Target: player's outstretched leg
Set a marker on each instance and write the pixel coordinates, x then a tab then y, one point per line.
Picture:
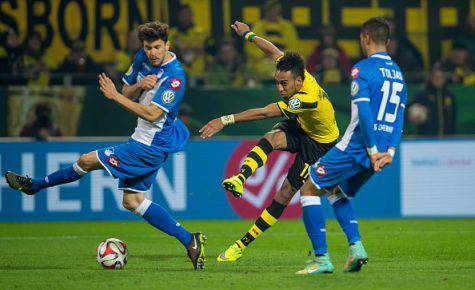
30	186
314	221
346	218
266	220
255	159
159	218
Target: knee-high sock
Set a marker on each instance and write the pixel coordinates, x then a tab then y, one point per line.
158	217
314	221
66	175
267	219
255	159
346	218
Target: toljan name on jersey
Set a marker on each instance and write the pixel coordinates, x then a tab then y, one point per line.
391	73
384	128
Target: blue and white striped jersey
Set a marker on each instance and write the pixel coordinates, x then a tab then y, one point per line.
378	99
168	133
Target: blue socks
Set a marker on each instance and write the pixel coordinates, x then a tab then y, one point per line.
158	217
346	218
66	175
314	221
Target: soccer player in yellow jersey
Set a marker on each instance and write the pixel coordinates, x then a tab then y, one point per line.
310	130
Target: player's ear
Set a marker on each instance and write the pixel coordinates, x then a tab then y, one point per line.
299	80
167	45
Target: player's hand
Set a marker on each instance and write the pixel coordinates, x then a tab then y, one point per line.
384	160
148	82
107	86
240	27
374	158
213	127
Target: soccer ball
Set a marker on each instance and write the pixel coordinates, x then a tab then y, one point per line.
112	254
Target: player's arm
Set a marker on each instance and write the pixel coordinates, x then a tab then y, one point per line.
216	125
360	96
132	88
395	139
242	29
150	113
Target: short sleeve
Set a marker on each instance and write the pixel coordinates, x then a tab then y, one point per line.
299	103
130	77
170	93
359	85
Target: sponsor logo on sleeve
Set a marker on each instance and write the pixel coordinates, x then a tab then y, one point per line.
354	88
295	104
355	72
175	84
168	96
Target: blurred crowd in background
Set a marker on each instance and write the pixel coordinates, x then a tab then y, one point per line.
211	62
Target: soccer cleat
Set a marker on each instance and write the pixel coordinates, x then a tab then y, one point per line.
234	185
319	265
356	259
196	250
19	182
233	253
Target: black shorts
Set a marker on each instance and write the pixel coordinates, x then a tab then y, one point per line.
308	151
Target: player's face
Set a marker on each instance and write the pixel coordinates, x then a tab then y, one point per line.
287	84
156	51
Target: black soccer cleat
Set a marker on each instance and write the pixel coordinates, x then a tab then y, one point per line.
19	182
196	250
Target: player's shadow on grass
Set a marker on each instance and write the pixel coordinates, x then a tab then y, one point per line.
161	257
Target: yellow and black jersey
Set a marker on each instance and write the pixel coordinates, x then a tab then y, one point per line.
312	110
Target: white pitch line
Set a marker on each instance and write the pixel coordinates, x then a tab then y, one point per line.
160	235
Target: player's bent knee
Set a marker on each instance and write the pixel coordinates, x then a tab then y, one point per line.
309	189
131	201
276	138
285	193
89	162
83	162
130	204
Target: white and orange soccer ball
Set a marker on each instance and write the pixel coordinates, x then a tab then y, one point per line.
112	254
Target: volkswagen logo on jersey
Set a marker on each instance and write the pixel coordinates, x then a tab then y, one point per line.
168	96
175	84
261	187
295	103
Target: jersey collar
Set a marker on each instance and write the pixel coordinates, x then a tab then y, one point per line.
382	54
170	61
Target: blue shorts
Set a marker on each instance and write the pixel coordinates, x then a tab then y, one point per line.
338	168
133	163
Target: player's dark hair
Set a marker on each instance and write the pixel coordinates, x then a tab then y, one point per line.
152	31
378	29
293	62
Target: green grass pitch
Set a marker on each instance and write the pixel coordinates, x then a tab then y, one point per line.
403	254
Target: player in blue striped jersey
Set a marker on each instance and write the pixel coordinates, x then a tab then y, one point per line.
154	89
378	98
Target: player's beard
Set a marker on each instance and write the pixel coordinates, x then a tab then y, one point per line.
157	61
